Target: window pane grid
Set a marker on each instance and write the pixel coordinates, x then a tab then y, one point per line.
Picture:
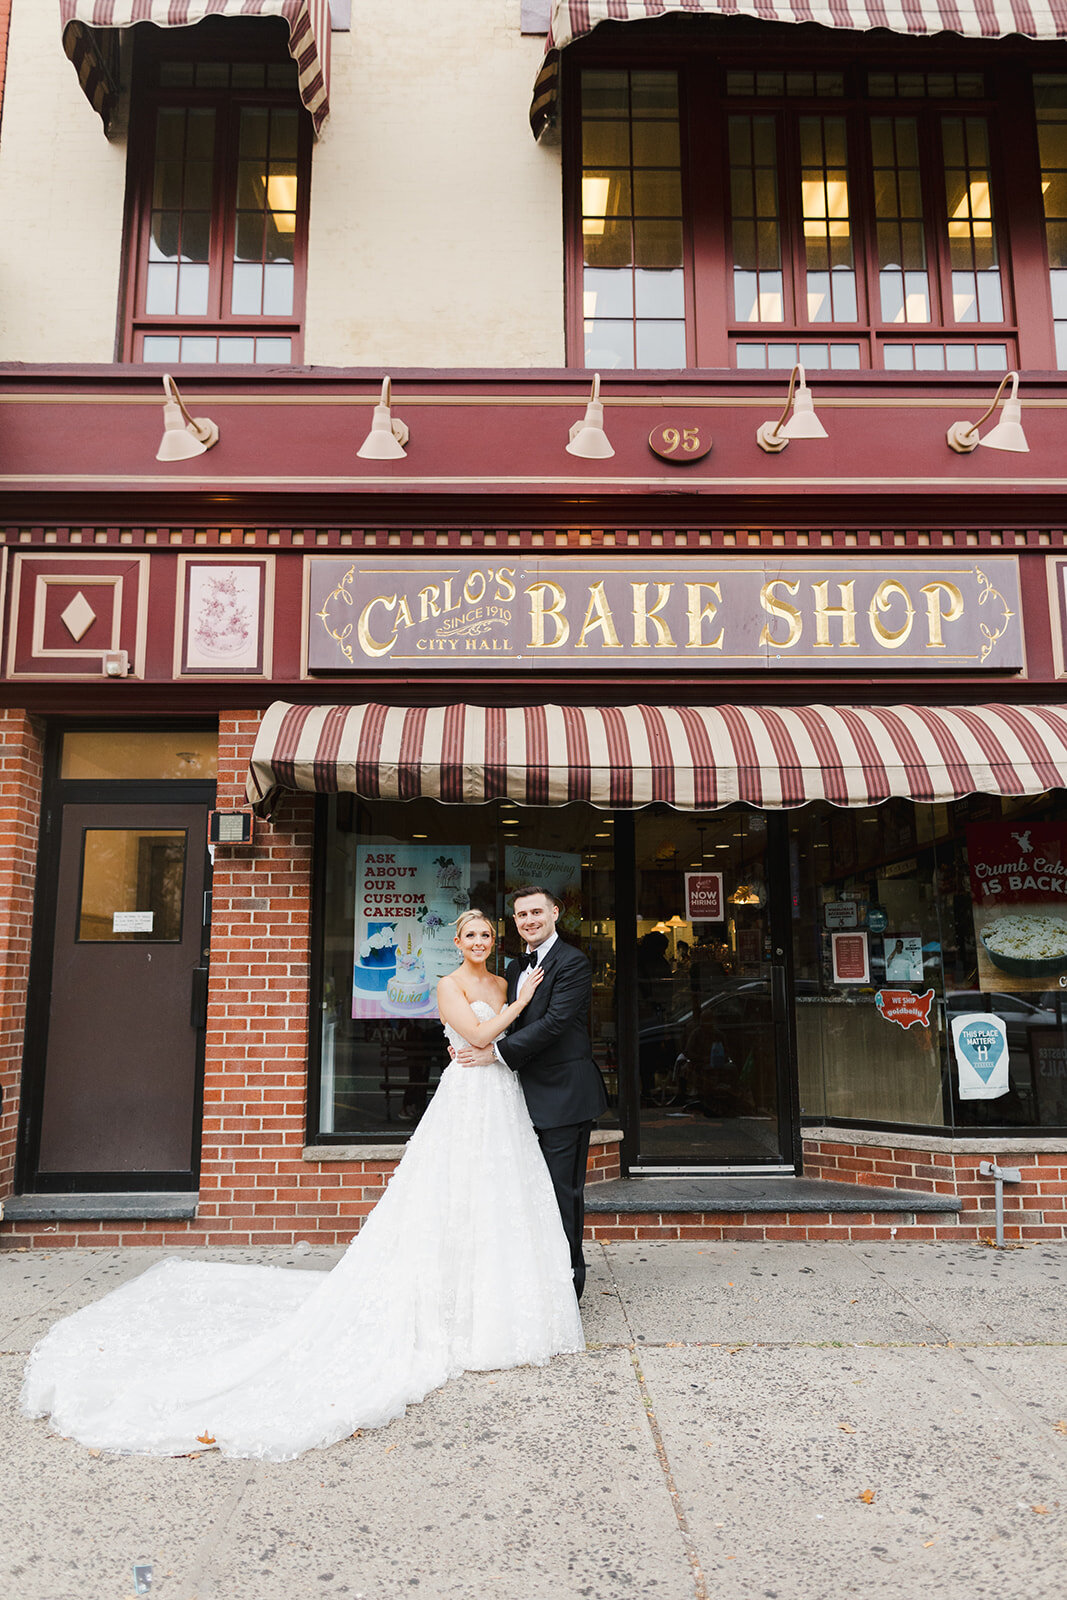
177	280
1050	93
833	219
633	280
976	292
830	276
223	228
755	220
903	281
262	274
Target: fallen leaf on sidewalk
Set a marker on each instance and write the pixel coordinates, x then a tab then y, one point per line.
928	1542
1040	1511
846	1427
867	1497
205	1437
95	1454
388	1448
1061	1425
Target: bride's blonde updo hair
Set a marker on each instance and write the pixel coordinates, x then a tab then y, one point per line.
472	915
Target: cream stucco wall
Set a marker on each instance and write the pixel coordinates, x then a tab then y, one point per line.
61	192
436	221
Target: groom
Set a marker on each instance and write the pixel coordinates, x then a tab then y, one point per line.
548	1046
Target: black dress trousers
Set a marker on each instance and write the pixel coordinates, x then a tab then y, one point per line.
565	1151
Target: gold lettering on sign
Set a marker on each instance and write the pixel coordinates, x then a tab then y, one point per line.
547	601
782	610
505	589
403	613
701	611
886	592
598	619
450	604
429	599
934	614
643	616
470	594
824	611
368	644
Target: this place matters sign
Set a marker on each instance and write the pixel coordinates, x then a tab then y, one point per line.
497	611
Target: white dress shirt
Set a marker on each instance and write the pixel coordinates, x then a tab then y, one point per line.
540	952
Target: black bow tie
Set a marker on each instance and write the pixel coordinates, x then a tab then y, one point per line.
528	960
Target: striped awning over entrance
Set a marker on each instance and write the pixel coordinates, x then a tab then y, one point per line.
693	757
90	39
974	19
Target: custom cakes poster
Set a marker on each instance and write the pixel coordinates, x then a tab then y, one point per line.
408	897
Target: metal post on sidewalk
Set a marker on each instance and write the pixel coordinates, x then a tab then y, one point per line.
1000	1176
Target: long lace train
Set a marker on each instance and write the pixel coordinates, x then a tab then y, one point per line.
462	1266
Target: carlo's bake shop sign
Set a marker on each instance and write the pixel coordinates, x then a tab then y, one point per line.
408	897
498	612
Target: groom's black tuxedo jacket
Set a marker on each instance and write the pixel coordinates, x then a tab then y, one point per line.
548	1044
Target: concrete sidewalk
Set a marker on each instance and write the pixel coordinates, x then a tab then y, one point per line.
750	1422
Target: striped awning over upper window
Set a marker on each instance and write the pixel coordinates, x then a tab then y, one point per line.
90	37
693	757
974	19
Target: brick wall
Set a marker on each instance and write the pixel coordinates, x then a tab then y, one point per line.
255	1185
20	812
1036	1208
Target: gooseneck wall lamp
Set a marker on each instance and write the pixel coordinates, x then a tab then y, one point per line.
803	424
183	436
587	437
1006	435
388	435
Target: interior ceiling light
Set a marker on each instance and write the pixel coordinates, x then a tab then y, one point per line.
803	424
1006	435
183	436
388	435
587	438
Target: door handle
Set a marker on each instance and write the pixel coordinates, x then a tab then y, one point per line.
198	998
779	993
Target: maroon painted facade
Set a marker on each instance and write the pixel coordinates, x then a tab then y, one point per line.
486	476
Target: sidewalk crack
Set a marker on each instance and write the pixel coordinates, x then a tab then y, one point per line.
700	1587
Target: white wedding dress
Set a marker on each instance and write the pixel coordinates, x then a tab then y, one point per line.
461	1266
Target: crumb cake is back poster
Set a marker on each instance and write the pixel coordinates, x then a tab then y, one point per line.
408	897
1019	896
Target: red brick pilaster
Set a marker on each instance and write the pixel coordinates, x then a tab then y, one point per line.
255	1071
20	813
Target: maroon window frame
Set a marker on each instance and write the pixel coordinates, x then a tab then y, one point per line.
712	330
248	46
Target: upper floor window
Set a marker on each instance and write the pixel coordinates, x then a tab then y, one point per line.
737	216
217	205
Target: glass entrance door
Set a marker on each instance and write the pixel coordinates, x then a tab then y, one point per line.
712	1016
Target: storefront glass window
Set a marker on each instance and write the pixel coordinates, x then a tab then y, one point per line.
139	755
396	878
930	945
132	885
706	1000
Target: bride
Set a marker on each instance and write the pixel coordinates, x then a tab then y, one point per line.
461	1266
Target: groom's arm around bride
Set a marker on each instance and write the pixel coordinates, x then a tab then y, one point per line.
548	1046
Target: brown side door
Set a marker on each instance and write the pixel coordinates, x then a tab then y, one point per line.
120	1096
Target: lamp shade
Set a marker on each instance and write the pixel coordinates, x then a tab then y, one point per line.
388	435
1008	433
587	438
183	436
803	424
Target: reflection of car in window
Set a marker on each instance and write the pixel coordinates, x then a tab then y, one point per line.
1018	1012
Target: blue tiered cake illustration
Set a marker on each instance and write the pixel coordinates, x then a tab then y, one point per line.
376	962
